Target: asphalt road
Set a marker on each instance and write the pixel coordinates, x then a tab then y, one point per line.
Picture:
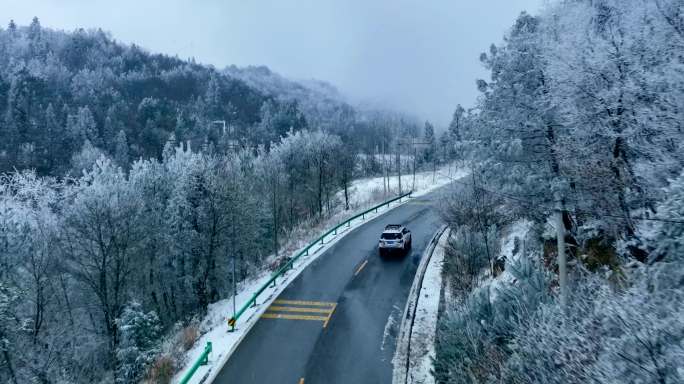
337	321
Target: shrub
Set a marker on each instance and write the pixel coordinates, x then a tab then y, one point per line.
474	341
161	371
606	336
189	336
140	340
465	259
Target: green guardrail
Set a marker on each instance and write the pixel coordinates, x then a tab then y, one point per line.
272	281
204	357
202	360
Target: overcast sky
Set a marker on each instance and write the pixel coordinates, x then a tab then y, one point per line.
419	56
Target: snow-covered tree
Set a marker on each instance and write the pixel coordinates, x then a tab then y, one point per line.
102	227
140	334
121	150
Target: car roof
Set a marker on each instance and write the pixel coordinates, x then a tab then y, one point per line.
393	228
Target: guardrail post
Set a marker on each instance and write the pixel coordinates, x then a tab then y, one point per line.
274	283
335	232
207	351
254	303
363	216
203	360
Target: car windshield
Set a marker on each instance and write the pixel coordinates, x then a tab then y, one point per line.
391	236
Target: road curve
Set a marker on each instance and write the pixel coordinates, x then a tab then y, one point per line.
337	321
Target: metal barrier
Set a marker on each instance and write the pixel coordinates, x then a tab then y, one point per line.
202	360
253	300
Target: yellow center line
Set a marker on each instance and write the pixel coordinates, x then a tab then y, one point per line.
277	308
293	317
325	323
301	302
358	270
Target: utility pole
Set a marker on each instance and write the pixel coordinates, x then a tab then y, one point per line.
234	256
232	147
384	170
562	262
434	167
413	185
413	144
399	164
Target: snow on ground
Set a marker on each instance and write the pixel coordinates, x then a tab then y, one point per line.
518	230
214	326
389	326
415	343
425	326
364	193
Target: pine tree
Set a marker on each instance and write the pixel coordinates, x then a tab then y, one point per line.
12	29
140	334
456	126
34	30
111	128
88	126
54	135
121	151
212	98
429	137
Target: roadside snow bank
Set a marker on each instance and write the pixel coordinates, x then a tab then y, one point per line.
422	350
416	342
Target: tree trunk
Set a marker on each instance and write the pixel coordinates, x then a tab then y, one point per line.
275	220
320	187
8	362
562	261
346	191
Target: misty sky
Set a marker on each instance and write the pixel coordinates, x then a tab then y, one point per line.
417	56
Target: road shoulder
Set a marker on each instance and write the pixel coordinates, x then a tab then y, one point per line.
416	342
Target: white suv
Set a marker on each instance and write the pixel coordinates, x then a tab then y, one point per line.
394	237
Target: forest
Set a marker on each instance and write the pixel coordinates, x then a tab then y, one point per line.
67	98
131	184
131	180
577	140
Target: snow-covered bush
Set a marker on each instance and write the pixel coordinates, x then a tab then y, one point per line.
466	256
667	238
604	336
475	338
140	334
